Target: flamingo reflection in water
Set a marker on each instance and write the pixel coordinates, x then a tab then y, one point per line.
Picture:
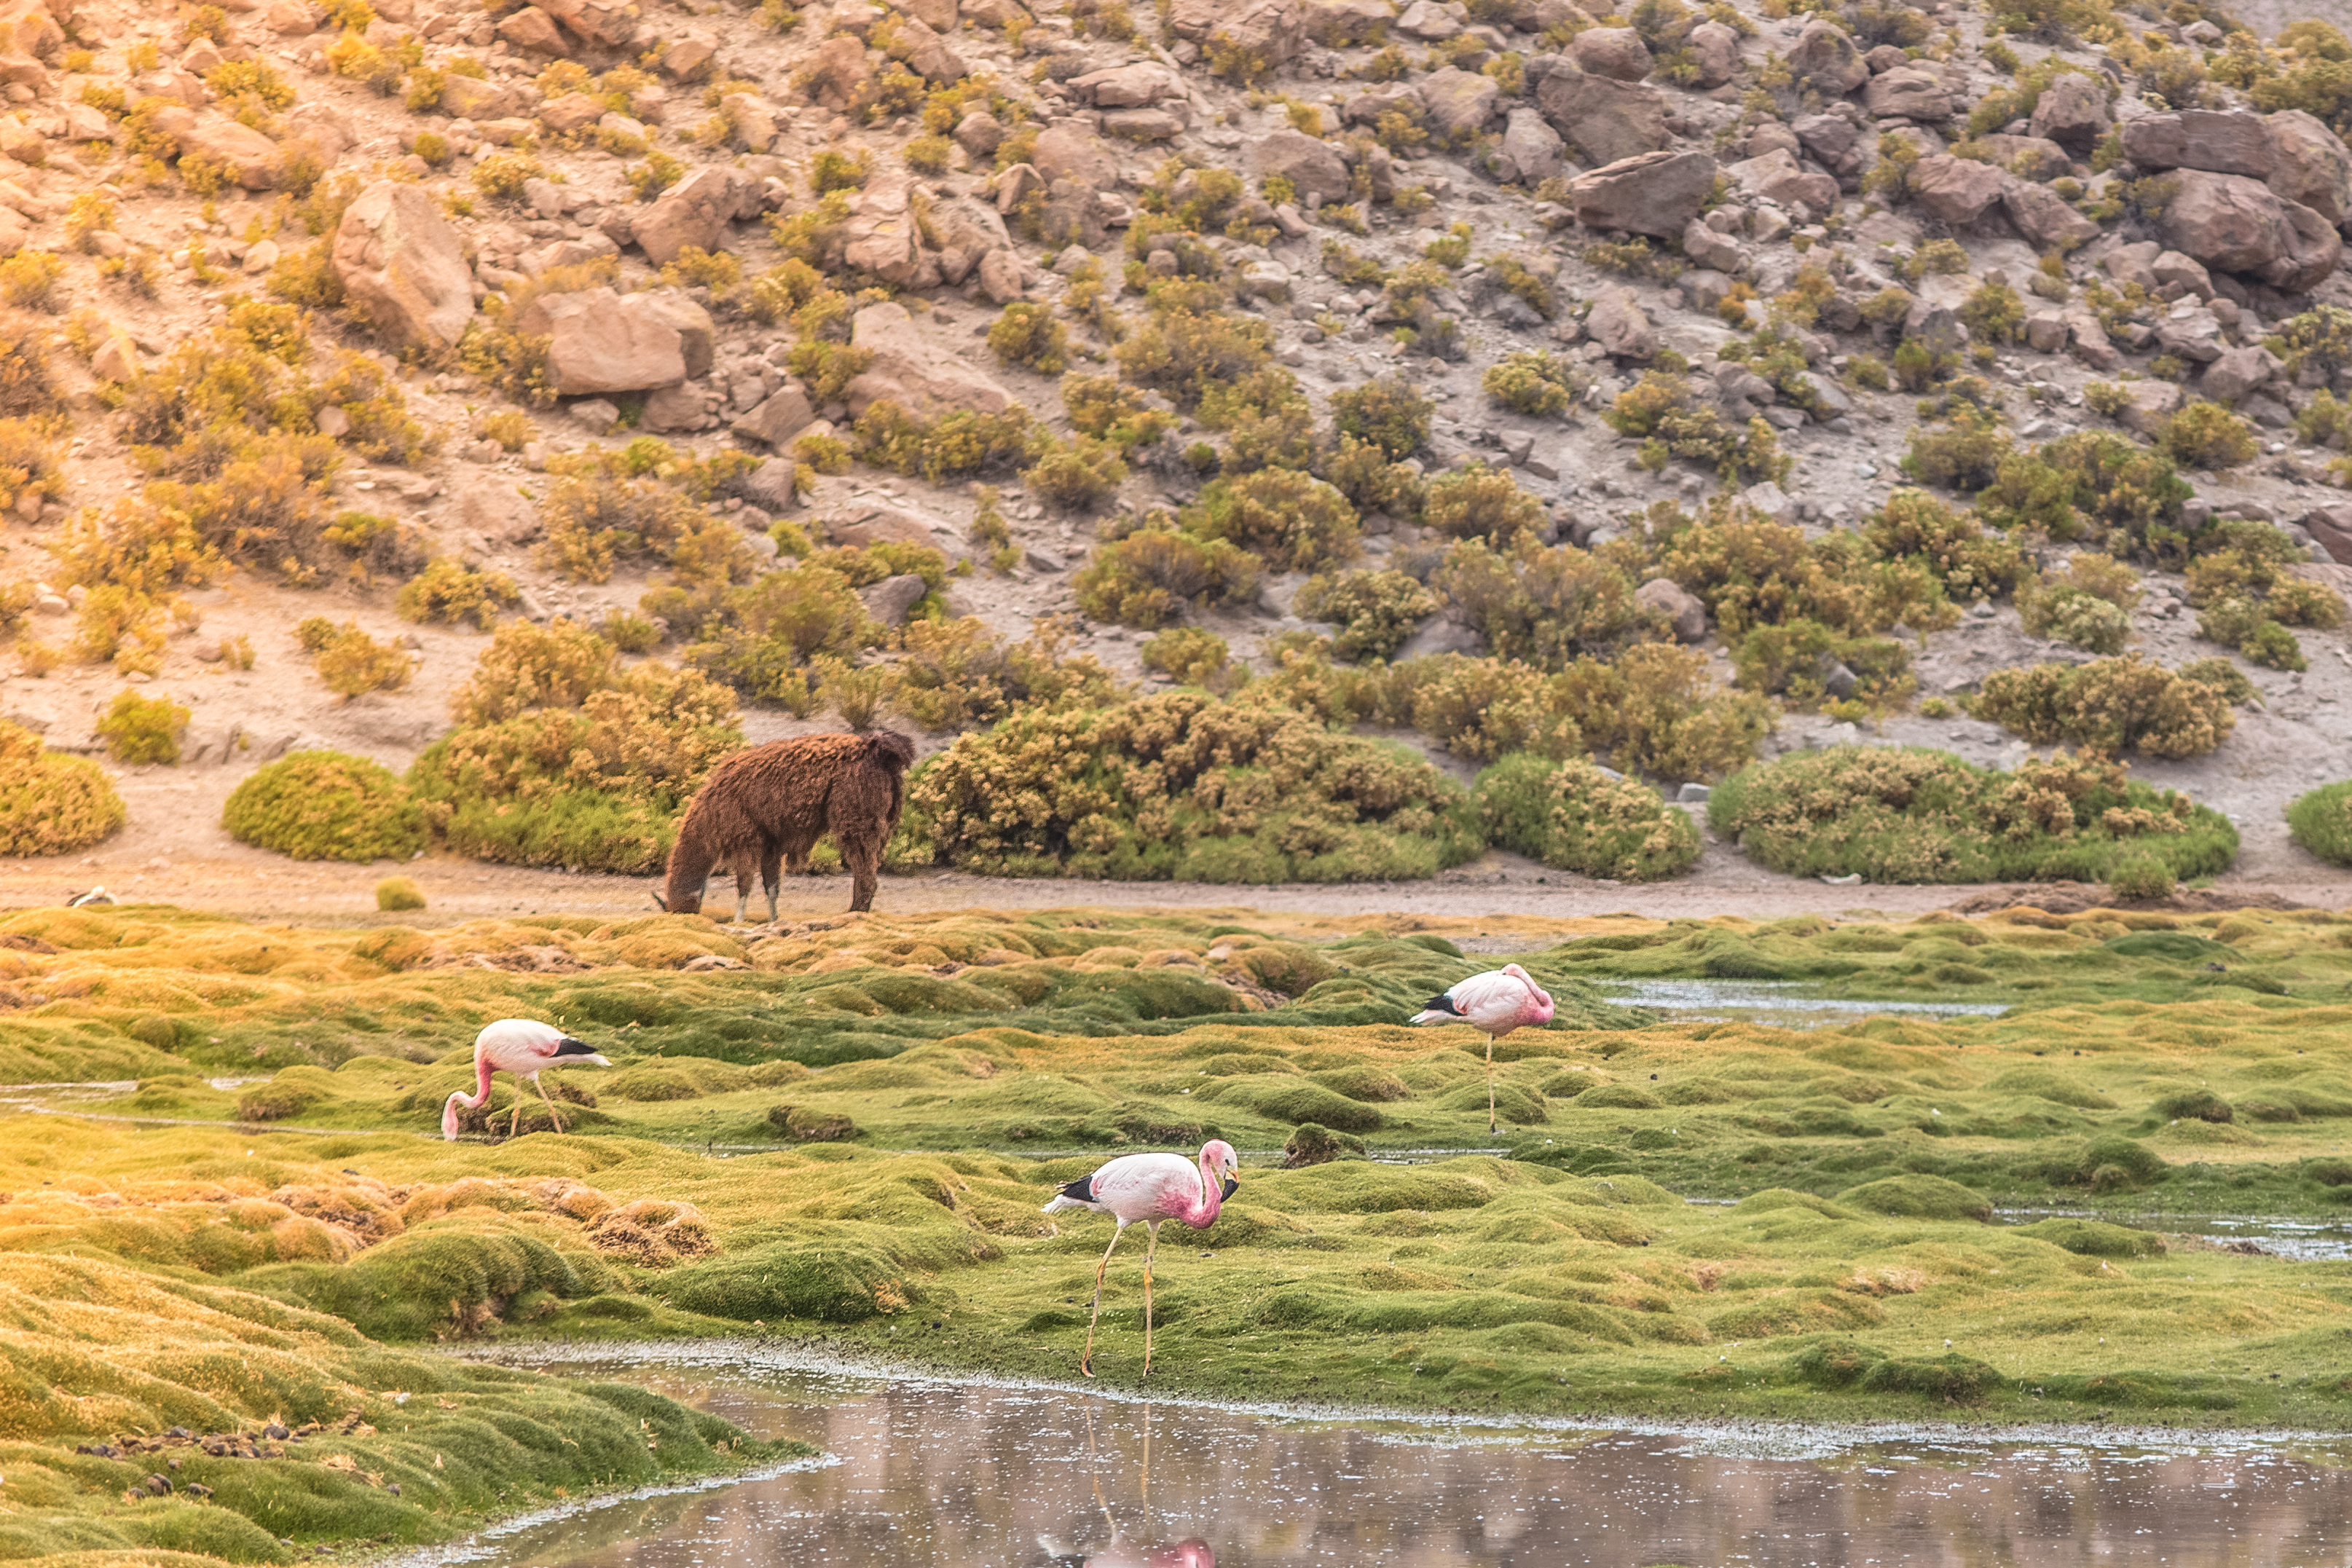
1118	1552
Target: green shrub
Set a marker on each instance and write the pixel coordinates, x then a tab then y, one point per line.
1080	475
2126	499
1376	611
1187	787
1191	657
1184	352
564	758
51	804
2088	605
954	444
2138	877
1387	413
1965	454
1542	605
1109	409
1028	336
1530	381
395	893
2321	821
1673	422
142	730
1904	814
761	638
325	805
2207	436
1573	817
352	663
1971	563
453	591
1480	502
1293	521
1153	575
2112	704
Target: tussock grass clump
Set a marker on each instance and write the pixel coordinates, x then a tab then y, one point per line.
1911	815
395	893
1377	612
1572	815
562	758
1187	787
325	805
2321	821
51	803
142	730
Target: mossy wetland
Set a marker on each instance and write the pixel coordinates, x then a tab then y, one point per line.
840	1132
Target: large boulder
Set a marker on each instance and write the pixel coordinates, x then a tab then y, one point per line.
2313	167
1272	31
600	341
2228	222
2073	112
1676	605
1605	120
2231	142
1714	50
1459	102
1619	324
1824	58
1779	175
693	212
2331	527
2313	252
1956	191
1073	152
403	267
778	418
2044	218
1312	165
602	24
471	98
920	377
250	158
836	70
1615	52
1909	93
1532	148
1654	193
2234	372
1136	86
1835	142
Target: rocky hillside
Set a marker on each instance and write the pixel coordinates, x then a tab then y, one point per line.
1803	364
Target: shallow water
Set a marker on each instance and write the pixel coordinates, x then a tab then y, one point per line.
1780	1002
923	1472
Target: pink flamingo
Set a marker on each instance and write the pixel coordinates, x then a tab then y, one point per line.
1149	1190
522	1046
1497	1001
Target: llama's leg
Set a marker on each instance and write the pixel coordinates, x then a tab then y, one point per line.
864	860
552	1114
771	859
1085	1362
1153	1229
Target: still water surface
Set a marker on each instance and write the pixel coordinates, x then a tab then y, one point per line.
922	1472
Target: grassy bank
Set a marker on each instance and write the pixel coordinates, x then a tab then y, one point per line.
899	1094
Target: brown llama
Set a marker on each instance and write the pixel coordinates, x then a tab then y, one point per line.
768	805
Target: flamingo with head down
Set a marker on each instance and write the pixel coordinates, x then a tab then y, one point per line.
1149	1190
1496	1002
523	1047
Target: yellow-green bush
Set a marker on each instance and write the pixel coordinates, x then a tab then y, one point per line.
326	805
395	893
1153	576
1481	502
1387	412
2111	705
1193	657
1530	381
1293	521
51	804
564	758
1543	605
352	663
1187	787
1028	336
454	590
2089	604
1572	816
142	730
1376	611
1904	814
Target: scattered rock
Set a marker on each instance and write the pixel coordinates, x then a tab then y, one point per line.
2230	142
1681	609
1312	165
1616	52
1956	191
403	267
1619	325
1606	119
2073	112
2313	167
913	373
599	341
1655	193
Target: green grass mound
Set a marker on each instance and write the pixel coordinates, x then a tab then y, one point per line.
1573	817
2095	1238
1186	788
1919	1198
2321	821
326	805
51	804
1905	814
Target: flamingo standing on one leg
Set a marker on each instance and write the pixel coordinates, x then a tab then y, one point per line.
1497	1001
522	1046
1151	1190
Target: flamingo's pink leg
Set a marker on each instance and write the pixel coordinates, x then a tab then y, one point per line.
1085	1362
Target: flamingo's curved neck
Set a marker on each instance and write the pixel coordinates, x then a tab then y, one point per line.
481	1082
1212	1199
